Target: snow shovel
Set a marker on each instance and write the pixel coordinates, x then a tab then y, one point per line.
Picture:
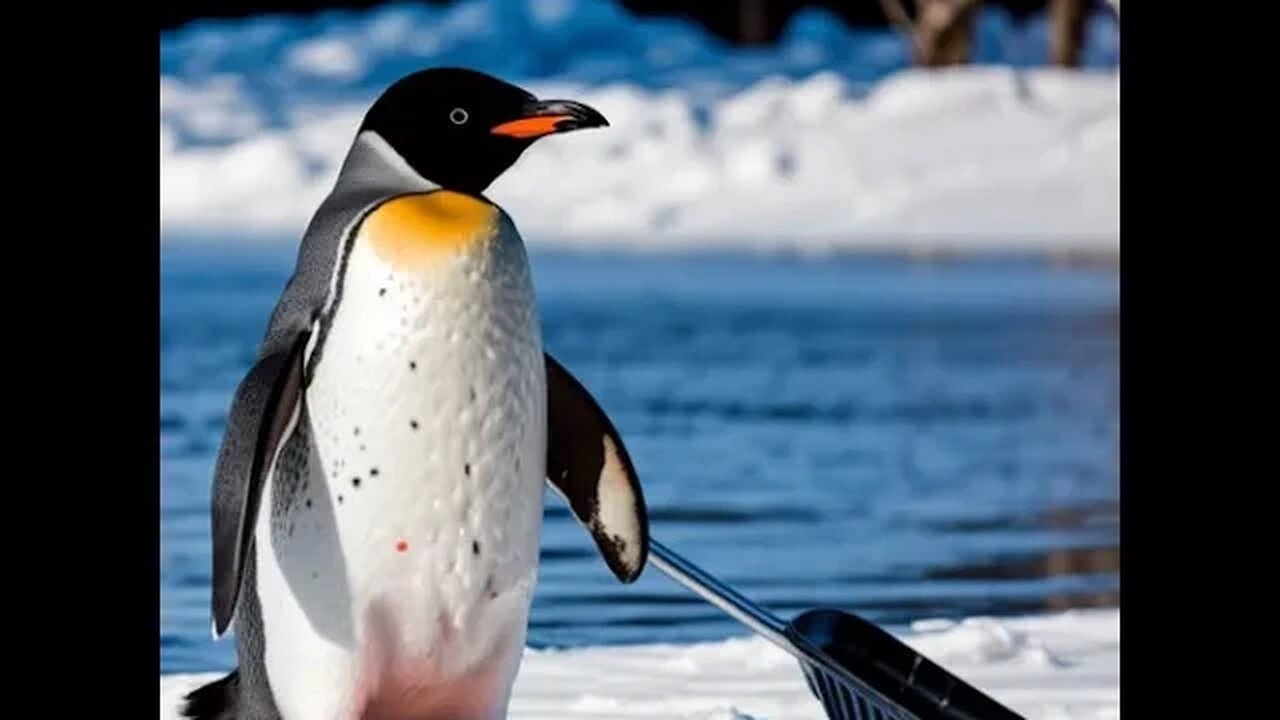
855	669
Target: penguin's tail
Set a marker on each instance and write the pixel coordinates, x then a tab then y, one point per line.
214	701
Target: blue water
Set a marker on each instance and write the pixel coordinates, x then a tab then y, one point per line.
897	439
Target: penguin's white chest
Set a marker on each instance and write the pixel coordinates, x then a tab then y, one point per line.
399	556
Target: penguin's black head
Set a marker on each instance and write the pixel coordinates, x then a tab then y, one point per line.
461	129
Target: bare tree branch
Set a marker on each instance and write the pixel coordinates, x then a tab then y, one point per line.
898	17
897	14
943	29
954	10
937	19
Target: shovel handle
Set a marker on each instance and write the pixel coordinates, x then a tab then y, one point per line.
720	595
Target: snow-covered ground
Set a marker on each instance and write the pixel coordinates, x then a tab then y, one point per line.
824	141
1058	666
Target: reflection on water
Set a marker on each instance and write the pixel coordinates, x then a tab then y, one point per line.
896	440
1064	562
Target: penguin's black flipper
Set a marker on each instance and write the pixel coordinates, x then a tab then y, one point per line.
214	701
589	466
262	413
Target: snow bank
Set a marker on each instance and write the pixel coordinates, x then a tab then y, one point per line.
1055	666
954	159
825	140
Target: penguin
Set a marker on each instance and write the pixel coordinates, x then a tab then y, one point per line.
377	497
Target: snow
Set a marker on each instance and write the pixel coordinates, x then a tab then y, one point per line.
1059	666
828	140
327	59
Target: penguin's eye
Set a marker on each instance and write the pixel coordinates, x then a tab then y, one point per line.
458	116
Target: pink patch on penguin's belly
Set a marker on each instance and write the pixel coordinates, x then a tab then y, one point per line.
396	685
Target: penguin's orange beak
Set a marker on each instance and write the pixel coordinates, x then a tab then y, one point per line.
544	117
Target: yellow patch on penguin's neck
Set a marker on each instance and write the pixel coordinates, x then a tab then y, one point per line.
415	231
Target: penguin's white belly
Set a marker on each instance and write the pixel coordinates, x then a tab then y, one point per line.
399	556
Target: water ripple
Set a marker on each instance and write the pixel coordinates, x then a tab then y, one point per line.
853	434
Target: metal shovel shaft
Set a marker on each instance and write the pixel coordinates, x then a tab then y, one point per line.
720	595
897	677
